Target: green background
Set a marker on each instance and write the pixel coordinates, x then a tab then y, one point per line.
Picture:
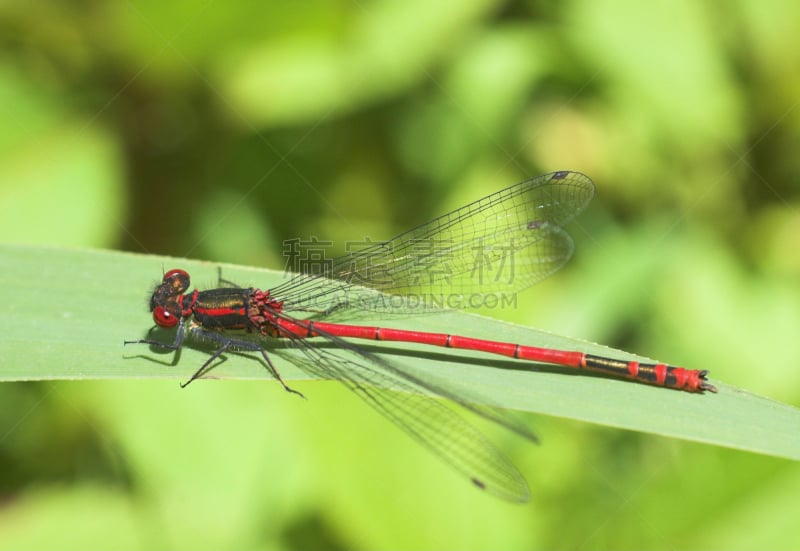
217	130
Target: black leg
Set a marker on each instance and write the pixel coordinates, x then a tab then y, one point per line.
227	343
205	365
222	282
176	344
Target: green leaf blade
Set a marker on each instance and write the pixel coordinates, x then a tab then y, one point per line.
68	312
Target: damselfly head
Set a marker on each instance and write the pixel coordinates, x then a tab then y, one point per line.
166	299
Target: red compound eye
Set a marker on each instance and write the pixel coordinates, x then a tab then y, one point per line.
176	272
163	318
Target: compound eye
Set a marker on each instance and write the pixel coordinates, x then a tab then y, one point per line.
164	318
178	279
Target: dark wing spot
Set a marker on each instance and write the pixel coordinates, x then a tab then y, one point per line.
478	483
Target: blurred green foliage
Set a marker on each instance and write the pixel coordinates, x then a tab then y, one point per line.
218	130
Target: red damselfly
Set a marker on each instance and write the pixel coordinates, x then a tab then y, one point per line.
500	244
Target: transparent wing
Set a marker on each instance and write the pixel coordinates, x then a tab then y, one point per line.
502	243
409	402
